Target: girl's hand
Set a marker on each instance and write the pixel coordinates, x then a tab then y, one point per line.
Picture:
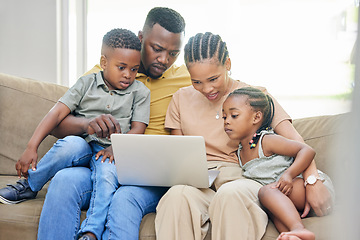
106	153
29	156
285	184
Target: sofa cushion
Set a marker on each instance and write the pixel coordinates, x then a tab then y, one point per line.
317	134
25	214
28	102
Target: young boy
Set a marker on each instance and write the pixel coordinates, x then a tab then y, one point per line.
112	91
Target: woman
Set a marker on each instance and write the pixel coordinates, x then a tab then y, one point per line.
232	205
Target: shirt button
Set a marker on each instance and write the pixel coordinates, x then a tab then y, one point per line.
111	93
108	106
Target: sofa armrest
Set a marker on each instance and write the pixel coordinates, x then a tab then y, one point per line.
23	103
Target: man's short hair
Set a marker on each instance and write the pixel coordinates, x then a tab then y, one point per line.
166	18
121	38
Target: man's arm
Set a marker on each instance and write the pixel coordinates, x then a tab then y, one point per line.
103	125
137	128
71	125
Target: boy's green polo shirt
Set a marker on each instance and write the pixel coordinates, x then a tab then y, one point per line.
161	90
90	97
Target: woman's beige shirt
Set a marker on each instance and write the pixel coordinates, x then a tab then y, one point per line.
195	115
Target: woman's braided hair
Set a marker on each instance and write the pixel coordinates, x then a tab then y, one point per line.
259	102
204	46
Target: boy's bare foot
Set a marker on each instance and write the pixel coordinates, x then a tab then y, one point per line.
297	234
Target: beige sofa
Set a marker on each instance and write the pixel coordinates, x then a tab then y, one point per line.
24	102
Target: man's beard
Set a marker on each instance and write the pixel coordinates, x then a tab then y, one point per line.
158	66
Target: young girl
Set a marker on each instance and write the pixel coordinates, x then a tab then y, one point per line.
269	159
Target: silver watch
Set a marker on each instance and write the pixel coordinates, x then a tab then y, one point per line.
312	180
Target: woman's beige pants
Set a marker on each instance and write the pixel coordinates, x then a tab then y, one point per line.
184	212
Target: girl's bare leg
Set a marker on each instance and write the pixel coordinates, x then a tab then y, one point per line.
285	233
285	210
278	224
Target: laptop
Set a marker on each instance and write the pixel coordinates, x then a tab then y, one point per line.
161	160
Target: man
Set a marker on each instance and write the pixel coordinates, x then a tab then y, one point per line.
70	189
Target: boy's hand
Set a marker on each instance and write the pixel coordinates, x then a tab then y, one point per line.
29	156
106	153
103	125
285	184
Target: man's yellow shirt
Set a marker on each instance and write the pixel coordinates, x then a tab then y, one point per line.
161	90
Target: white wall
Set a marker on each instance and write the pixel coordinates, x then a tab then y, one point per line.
28	38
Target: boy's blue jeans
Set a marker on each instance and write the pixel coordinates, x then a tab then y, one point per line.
74	189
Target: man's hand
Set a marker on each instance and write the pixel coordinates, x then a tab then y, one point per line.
29	156
319	199
103	125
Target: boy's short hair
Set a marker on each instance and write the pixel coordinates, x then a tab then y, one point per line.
121	38
167	18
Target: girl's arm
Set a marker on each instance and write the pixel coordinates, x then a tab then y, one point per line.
286	129
317	195
303	154
47	124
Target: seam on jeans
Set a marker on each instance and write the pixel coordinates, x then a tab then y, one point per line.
92	197
78	219
107	225
80	159
79	210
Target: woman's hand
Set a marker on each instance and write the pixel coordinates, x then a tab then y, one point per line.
105	153
29	156
285	184
317	198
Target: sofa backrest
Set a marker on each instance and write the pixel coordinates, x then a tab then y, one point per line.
23	103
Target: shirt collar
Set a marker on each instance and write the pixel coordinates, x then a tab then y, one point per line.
99	79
